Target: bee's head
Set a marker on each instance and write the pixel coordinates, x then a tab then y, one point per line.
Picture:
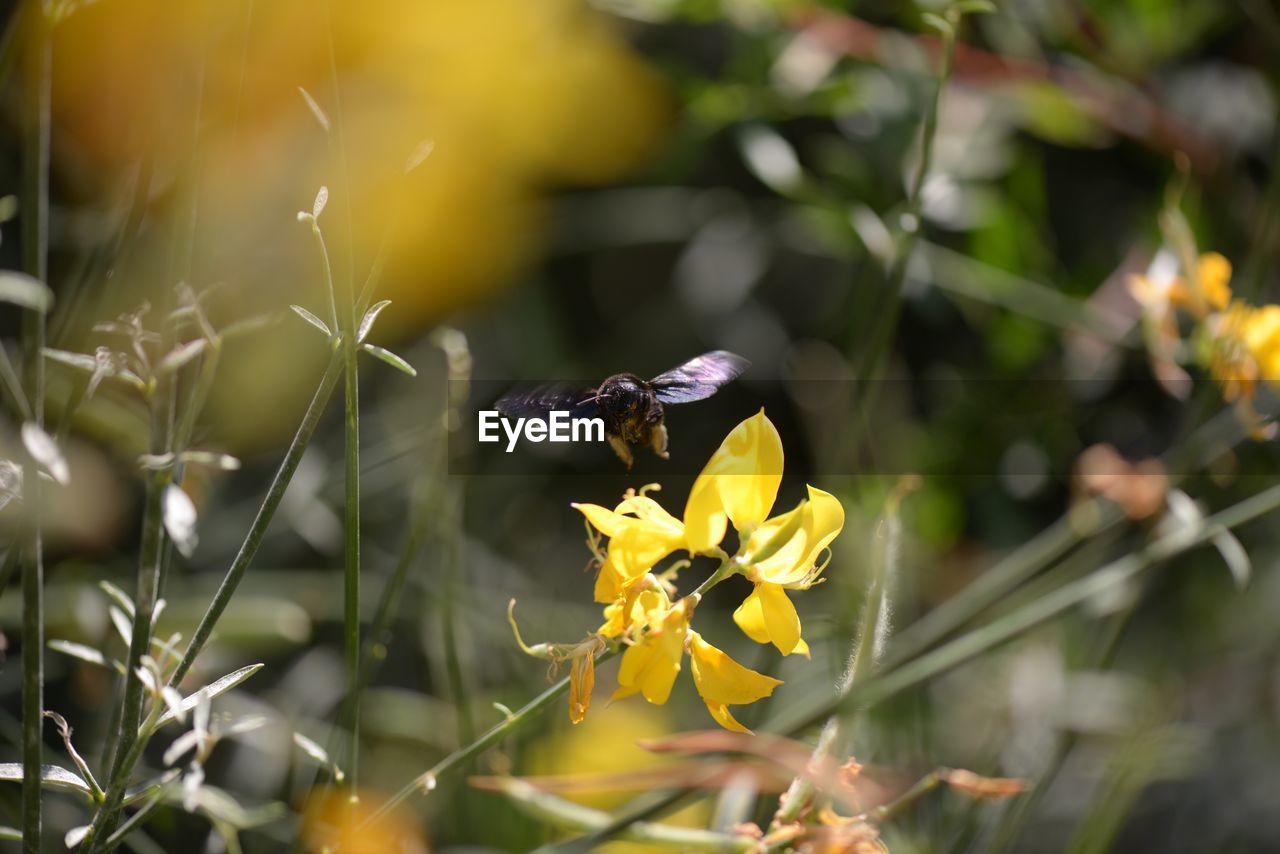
622	393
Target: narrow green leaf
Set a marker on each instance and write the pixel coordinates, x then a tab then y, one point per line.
79	361
320	115
26	291
1235	557
937	22
85	653
222	686
51	776
181	355
115	594
10	833
312	319
975	7
390	358
370	316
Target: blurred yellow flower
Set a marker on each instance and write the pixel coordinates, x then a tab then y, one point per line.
723	682
189	117
1246	348
1211	288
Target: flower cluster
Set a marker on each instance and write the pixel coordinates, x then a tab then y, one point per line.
1237	341
737	487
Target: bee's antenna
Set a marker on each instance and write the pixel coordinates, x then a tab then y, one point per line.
595	398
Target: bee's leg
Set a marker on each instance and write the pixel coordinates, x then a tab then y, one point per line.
621	448
658	440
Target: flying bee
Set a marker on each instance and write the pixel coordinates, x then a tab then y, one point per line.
630	407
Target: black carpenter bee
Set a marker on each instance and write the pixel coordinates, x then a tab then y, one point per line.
630	407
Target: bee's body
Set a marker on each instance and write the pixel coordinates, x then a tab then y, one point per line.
632	415
631	407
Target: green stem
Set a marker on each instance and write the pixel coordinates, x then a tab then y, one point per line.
570	816
427	781
449	623
248	550
148	586
35	257
837	733
888	306
909	674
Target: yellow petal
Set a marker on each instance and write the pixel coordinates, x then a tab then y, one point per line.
823	520
705	521
1214	273
610	582
721	679
750	617
780	617
650	666
739	482
647	510
602	519
639	545
721	713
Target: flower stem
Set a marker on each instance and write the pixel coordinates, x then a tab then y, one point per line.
35	252
248	550
837	733
879	687
570	816
427	781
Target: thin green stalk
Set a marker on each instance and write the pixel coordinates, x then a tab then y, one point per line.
837	733
351	586
911	673
449	617
35	255
244	557
567	815
427	781
888	306
148	587
892	299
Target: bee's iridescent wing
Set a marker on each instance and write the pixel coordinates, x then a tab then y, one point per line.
536	403
698	378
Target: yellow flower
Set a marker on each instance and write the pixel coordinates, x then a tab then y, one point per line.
650	665
723	682
640	534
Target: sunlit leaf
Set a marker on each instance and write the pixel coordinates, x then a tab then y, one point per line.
51	776
85	653
44	450
322	199
311	318
366	323
181	355
1235	557
320	115
221	686
391	359
180	519
75	836
23	290
115	594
